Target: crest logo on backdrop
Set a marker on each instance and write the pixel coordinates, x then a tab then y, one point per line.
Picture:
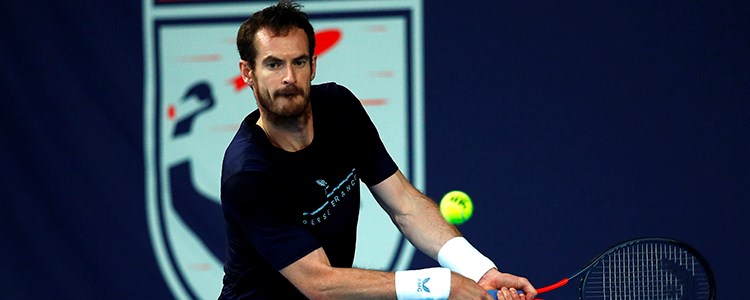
194	102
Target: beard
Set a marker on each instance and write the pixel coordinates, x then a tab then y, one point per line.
286	105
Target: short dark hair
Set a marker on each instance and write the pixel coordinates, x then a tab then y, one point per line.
279	19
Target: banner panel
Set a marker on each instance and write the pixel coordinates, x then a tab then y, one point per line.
195	100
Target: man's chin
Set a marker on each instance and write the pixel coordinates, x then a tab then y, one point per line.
294	108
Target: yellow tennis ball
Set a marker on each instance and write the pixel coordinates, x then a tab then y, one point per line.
456	207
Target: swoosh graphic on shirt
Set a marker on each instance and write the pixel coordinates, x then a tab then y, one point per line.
330	194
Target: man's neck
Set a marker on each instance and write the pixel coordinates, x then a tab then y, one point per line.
291	135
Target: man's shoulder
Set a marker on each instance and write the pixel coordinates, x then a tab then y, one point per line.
330	89
333	97
326	87
245	153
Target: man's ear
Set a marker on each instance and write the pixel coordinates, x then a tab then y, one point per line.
246	72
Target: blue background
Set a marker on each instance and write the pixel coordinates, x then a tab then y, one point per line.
573	126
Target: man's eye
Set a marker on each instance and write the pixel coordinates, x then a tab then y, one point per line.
300	63
272	65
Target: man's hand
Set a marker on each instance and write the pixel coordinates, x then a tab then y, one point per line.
465	288
508	285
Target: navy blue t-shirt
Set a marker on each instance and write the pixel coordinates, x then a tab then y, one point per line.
280	206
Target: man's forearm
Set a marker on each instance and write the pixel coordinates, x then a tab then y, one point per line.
316	279
416	215
343	283
424	226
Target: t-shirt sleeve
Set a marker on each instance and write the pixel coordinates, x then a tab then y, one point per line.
376	164
253	202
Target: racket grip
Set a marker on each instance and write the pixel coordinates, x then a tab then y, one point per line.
545	289
493	293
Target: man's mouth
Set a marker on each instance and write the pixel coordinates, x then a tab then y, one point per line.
288	92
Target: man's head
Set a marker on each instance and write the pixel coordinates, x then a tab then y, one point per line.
279	20
276	46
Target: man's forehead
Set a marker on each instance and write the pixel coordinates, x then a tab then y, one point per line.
266	34
292	42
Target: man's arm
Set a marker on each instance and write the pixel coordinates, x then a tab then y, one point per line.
416	215
419	219
314	276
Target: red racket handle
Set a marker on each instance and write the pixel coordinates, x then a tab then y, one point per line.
552	286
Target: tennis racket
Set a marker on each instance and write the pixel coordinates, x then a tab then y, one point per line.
646	268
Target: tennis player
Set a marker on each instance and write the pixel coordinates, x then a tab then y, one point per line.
291	181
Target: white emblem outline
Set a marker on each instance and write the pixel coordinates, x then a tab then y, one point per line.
155	182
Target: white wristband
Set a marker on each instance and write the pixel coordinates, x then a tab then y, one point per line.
432	283
461	257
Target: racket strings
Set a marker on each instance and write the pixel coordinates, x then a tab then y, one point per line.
647	271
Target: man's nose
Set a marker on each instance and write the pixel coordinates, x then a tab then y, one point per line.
290	75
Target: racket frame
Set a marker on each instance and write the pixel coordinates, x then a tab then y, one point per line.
586	270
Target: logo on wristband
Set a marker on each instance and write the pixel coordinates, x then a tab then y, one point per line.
422	285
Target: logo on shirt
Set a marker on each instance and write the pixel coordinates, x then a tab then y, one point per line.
333	196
